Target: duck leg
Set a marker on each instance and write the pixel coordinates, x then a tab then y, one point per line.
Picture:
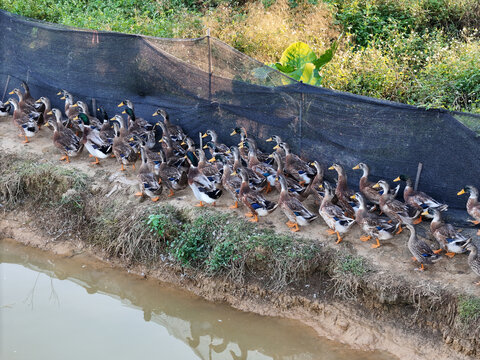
365	238
122	168
474	222
155	199
133	166
295	228
139	193
290	224
64	157
200	204
450	254
96	162
235	206
438	251
331	232
399	229
377	245
339	238
255	218
418	221
171	193
26	140
421	268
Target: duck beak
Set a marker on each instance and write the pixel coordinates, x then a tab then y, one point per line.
46	124
396	179
234	173
154	114
356	167
113	118
204	135
11	92
75	118
312	164
376	186
183	143
276	147
38	101
75	105
212	159
50	113
124	112
269	139
8	102
205	146
63	98
461	192
425	213
233	133
131	139
228	152
240	146
320	186
161	140
270	156
121	104
331	168
353	197
59	93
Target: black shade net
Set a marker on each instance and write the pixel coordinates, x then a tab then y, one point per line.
204	83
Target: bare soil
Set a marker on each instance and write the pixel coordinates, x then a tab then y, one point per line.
361	322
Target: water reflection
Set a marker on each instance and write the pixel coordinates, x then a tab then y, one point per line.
206	330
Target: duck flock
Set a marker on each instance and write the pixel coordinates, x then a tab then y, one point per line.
245	173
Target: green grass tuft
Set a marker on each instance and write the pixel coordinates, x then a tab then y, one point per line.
469	309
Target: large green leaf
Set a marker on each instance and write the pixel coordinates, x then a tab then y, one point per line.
297	55
327	56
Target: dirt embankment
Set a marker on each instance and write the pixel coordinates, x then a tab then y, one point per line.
370	299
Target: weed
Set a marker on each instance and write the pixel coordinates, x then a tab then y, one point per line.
469	309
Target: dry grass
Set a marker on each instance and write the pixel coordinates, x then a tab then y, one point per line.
264	33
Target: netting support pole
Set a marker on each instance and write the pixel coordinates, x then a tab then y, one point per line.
94	107
419	172
28	75
300	121
209	66
6	87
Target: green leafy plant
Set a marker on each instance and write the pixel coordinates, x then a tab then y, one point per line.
301	63
468	309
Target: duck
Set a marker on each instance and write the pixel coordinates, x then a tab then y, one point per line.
231	183
244	151
93	121
174	178
473	206
372	224
396	210
294	188
94	143
64	138
256	181
27	124
314	187
210	170
253	200
47	107
130	111
107	133
334	215
22	105
296	213
219	147
296	167
277	140
420	250
176	131
447	237
122	149
5	108
418	199
149	183
27	96
70	110
170	147
203	189
261	168
473	258
366	186
342	191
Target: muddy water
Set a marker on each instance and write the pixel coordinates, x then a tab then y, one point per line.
72	308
